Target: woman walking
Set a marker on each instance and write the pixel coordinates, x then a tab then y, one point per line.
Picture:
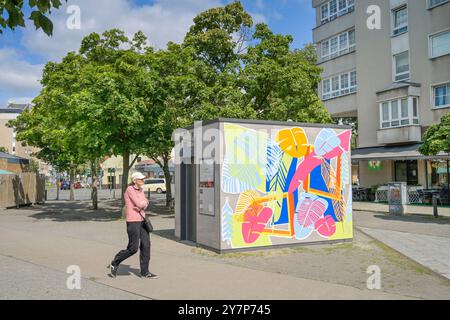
138	236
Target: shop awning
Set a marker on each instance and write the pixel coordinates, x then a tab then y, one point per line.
6	172
442	171
404	152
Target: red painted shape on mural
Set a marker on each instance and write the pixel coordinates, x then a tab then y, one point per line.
255	220
312	160
326	226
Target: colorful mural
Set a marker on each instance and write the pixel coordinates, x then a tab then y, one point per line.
287	186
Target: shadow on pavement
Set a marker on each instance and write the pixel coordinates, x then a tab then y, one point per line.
79	211
159	208
126	270
418	218
108	210
166	233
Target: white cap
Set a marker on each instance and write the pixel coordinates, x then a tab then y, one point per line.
137	175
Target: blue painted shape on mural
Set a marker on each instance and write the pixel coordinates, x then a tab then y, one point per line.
284	216
316	182
330	209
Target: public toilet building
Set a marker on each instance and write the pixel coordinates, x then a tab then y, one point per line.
246	184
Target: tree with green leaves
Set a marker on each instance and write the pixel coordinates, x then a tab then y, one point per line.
33	166
12	14
94	103
116	104
437	138
227	67
175	96
250	72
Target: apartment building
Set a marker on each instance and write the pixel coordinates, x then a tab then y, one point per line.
394	78
8	135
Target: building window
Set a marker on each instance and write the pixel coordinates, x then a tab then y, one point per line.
338	45
351	39
334	8
400	20
442	96
326	89
435	3
334	46
401	64
345	85
440	44
353	81
325	48
335	87
339	85
324	13
406	171
399	112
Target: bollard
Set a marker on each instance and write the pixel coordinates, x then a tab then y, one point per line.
435	208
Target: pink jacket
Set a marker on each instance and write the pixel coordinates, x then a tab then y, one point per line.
136	203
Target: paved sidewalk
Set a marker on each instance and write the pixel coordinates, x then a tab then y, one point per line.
430	251
423	239
25	280
50	239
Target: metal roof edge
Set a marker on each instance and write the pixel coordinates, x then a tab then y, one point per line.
272	122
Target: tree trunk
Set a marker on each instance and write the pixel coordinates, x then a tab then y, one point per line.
94	193
72	178
126	169
57	187
168	178
164	165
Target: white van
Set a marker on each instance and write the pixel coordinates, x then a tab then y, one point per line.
155	185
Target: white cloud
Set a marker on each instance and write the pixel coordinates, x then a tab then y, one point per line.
161	21
17	76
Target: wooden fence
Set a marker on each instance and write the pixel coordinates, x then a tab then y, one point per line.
21	189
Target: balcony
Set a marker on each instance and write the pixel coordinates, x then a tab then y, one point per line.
404	134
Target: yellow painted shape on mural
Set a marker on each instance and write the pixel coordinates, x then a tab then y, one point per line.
245	199
293	141
249	166
344	230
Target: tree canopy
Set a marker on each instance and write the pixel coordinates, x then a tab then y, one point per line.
12	14
437	138
119	96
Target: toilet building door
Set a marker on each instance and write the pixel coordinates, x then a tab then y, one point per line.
188	202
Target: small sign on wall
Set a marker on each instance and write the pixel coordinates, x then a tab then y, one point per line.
206	184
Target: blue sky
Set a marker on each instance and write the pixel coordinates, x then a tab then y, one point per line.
24	52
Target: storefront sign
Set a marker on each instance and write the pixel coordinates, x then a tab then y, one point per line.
375	165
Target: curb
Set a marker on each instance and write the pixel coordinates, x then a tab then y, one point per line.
403	255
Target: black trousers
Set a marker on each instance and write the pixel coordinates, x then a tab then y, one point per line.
138	237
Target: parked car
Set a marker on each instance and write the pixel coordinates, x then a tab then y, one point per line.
65	185
155	185
85	185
